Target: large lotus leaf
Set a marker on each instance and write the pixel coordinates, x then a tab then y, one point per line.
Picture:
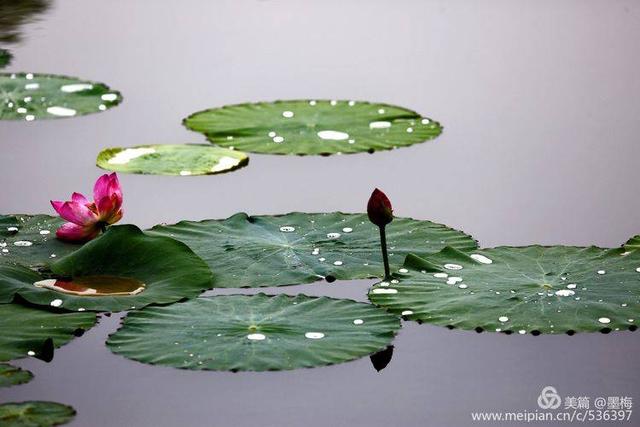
525	289
254	333
313	127
187	159
44	96
5	58
35	414
297	248
26	331
167	270
12	375
30	240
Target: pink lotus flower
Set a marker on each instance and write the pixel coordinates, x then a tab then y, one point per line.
87	219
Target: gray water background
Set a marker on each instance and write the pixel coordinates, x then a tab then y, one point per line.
540	101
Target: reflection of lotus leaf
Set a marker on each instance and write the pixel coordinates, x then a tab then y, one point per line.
5	58
14	14
254	333
531	289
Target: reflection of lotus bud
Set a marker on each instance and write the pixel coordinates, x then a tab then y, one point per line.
379	209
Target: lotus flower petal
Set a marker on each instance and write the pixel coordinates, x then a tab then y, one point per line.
77	213
71	232
109	209
115	189
107	185
57	205
79	198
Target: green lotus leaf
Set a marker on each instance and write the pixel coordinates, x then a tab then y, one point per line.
30	240
122	269
254	333
313	127
297	248
633	244
5	58
534	289
13	278
26	331
45	96
186	159
12	375
35	414
8	225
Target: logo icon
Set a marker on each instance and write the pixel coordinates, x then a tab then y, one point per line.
549	398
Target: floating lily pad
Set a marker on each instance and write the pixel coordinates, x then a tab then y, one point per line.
35	414
187	159
12	375
297	248
30	240
533	289
5	58
122	269
313	127
26	331
254	333
44	96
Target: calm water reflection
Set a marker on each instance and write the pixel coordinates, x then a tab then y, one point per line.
381	359
15	14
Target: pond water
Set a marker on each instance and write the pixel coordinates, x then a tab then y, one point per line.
539	101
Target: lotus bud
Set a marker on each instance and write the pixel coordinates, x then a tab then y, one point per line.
379	209
381	213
